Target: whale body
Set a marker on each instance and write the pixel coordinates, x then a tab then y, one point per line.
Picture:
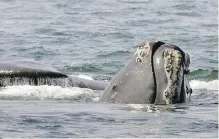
156	74
23	72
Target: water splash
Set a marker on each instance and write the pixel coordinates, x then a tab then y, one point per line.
64	82
45	92
209	85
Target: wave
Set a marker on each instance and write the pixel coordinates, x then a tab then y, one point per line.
210	85
204	75
83	68
113	54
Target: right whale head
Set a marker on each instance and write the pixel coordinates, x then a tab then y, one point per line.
134	83
143	80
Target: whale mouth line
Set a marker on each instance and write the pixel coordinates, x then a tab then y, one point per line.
171	81
142	51
155	46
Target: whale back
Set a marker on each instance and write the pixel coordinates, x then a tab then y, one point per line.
27	69
16	72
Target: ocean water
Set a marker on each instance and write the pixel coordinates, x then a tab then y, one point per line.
95	39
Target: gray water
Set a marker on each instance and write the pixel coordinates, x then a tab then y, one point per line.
95	38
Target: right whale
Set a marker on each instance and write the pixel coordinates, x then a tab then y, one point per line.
156	74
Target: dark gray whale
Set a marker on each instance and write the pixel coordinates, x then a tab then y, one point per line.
22	72
156	74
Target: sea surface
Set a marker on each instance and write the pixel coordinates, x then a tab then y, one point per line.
95	39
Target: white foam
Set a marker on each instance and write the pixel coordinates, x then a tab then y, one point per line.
85	77
142	107
211	85
44	92
136	106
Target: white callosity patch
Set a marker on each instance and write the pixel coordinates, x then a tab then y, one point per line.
142	51
172	66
